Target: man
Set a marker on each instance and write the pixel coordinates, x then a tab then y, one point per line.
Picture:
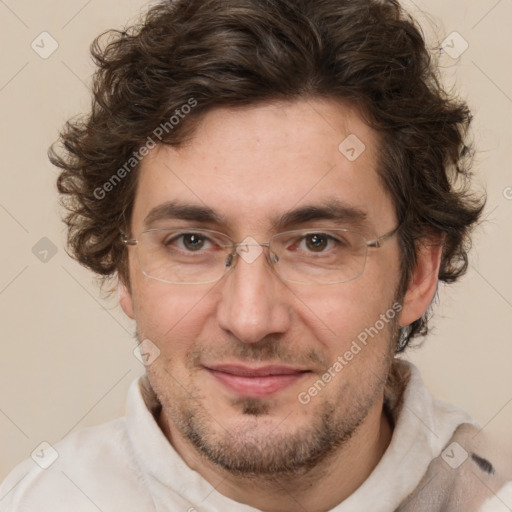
273	184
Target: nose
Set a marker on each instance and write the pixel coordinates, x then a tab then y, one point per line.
254	302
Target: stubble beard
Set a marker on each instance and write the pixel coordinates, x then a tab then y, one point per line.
257	447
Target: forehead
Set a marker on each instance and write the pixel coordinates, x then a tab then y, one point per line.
248	167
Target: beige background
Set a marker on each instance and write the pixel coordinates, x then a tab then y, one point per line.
66	359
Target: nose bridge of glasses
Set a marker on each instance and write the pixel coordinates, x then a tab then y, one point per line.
243	246
248	249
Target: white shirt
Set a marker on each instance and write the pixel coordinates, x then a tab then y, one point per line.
129	465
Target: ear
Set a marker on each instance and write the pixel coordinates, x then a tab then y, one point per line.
422	284
125	299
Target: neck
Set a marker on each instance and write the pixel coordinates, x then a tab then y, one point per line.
321	488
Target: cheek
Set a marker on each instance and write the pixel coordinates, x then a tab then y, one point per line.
353	325
346	310
169	314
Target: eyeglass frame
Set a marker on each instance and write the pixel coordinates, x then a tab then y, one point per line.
375	243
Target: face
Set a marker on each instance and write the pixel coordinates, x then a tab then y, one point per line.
242	368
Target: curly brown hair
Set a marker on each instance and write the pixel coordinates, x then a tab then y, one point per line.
368	53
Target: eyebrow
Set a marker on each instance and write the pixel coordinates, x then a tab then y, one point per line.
331	210
182	211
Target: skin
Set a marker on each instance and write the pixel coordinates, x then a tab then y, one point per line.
251	165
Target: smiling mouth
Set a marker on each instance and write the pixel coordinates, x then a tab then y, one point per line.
256	382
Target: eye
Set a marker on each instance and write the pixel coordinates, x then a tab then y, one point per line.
191	242
316	242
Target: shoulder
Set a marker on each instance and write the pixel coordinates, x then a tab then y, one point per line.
83	473
469	475
501	501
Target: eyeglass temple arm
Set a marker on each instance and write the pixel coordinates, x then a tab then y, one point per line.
378	241
127	241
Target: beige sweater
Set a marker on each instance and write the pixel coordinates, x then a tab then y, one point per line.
462	478
467	476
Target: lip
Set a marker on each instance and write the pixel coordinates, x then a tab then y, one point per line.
256	382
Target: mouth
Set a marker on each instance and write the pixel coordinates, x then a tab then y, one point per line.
256	382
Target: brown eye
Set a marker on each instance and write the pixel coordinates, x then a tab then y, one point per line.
188	242
316	242
193	241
